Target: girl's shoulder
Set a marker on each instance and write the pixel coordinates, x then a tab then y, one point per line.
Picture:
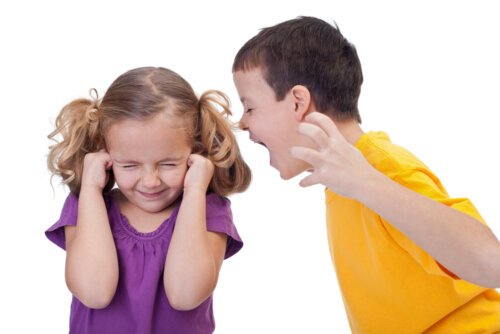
220	219
70	206
69	216
216	203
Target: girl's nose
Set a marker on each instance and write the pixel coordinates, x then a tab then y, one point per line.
150	179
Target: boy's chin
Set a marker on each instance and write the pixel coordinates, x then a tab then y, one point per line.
289	173
286	176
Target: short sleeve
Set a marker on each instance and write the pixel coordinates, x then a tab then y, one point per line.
220	219
427	184
69	215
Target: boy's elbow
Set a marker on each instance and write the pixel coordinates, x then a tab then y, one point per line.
486	272
493	268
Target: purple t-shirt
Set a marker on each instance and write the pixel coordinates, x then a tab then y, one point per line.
140	304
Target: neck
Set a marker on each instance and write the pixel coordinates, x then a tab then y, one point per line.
350	130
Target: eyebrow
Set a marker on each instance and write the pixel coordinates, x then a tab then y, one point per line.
246	100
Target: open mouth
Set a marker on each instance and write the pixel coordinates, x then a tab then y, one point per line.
257	141
261	143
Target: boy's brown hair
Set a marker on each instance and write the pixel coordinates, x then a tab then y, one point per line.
310	52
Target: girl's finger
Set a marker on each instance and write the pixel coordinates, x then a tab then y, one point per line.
109	164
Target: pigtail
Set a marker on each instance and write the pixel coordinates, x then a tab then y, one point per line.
77	125
216	141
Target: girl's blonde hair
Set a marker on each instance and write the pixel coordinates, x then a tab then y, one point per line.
141	94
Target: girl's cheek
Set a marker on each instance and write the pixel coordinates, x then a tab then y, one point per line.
120	183
124	180
176	179
180	180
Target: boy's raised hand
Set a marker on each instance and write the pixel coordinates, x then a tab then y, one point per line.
335	163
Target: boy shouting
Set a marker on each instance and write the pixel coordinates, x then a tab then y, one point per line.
409	259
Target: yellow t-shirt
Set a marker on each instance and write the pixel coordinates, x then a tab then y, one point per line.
388	283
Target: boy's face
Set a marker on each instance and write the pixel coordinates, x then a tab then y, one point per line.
269	122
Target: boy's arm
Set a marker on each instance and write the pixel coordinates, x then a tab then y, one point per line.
456	240
91	259
195	255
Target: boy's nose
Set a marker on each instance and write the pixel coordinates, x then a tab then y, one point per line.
242	124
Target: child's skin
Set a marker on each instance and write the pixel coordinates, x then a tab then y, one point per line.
152	164
299	138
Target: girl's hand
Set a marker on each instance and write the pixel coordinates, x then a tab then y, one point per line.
95	169
199	173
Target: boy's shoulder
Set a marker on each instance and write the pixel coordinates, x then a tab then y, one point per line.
388	157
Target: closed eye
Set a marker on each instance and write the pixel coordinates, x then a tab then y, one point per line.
249	110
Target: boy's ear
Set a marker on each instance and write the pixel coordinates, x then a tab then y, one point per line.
302	100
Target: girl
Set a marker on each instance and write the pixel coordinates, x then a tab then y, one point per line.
174	158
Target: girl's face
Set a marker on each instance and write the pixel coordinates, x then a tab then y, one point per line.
149	160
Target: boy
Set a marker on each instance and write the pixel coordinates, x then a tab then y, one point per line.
404	252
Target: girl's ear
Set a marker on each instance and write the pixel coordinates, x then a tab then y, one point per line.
302	99
199	149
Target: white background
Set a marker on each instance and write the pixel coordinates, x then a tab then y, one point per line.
431	73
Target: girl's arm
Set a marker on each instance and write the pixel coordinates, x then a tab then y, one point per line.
91	259
456	240
195	255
